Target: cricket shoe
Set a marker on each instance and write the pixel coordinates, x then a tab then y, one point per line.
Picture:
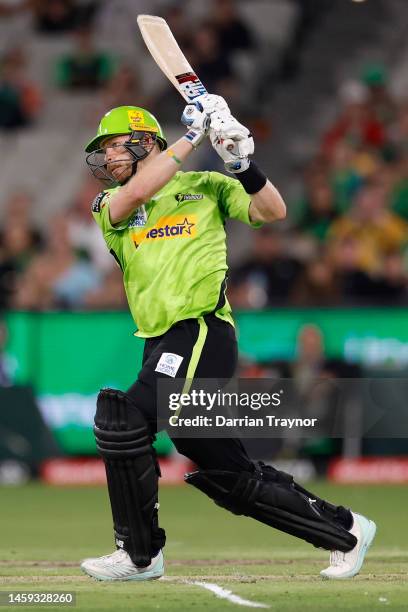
119	566
348	564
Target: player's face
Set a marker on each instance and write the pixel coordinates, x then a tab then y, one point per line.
118	160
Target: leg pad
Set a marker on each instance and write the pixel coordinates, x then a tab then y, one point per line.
272	497
125	444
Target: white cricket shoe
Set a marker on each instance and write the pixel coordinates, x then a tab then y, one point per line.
119	566
346	565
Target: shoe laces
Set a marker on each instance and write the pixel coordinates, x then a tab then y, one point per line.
337	558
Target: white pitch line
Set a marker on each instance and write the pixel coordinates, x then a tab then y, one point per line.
225	594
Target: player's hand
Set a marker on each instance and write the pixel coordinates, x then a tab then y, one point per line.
209	103
232	141
198	123
196	116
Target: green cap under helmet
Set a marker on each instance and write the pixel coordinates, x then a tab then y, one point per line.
125	120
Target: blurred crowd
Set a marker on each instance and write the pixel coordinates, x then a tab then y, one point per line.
345	240
212	46
63	265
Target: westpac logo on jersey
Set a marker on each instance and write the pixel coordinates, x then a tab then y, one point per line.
177	226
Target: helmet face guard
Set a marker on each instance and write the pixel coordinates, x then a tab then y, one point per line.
139	145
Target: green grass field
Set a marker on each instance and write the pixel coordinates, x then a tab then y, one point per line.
46	531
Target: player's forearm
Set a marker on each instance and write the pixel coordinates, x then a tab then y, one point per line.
148	180
267	205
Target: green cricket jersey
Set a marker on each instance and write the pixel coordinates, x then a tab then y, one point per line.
172	250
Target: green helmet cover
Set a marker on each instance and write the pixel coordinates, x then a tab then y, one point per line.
125	120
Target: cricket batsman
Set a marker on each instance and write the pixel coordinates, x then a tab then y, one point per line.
166	230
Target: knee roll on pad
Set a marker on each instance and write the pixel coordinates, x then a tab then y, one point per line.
272	497
125	444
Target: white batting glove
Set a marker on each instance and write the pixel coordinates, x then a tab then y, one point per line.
196	116
198	122
232	141
209	103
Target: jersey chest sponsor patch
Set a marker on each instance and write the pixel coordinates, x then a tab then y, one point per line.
169	228
169	364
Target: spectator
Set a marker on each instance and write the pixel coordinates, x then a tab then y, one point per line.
392	284
176	17
55	16
110	295
122	89
374	230
314	398
344	178
18	210
213	66
317	285
18	244
268	275
57	277
356	124
17	250
84	234
233	33
379	99
319	209
356	285
85	68
20	100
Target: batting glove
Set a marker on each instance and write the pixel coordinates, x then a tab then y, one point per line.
210	103
232	141
198	122
196	116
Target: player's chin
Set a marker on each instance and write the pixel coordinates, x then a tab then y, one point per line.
121	173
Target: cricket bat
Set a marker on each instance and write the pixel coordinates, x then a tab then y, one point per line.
169	57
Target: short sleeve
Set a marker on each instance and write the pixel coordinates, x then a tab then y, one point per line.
113	234
232	198
100	212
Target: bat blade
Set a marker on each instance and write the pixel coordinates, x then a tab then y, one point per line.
169	57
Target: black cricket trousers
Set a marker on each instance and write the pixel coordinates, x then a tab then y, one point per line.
208	347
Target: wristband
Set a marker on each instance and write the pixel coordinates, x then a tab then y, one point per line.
173	156
252	179
195	137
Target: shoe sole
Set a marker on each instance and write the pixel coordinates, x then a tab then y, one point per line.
151	575
136	577
369	535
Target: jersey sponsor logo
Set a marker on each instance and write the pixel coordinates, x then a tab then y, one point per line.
139	219
169	228
188	197
96	204
169	364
